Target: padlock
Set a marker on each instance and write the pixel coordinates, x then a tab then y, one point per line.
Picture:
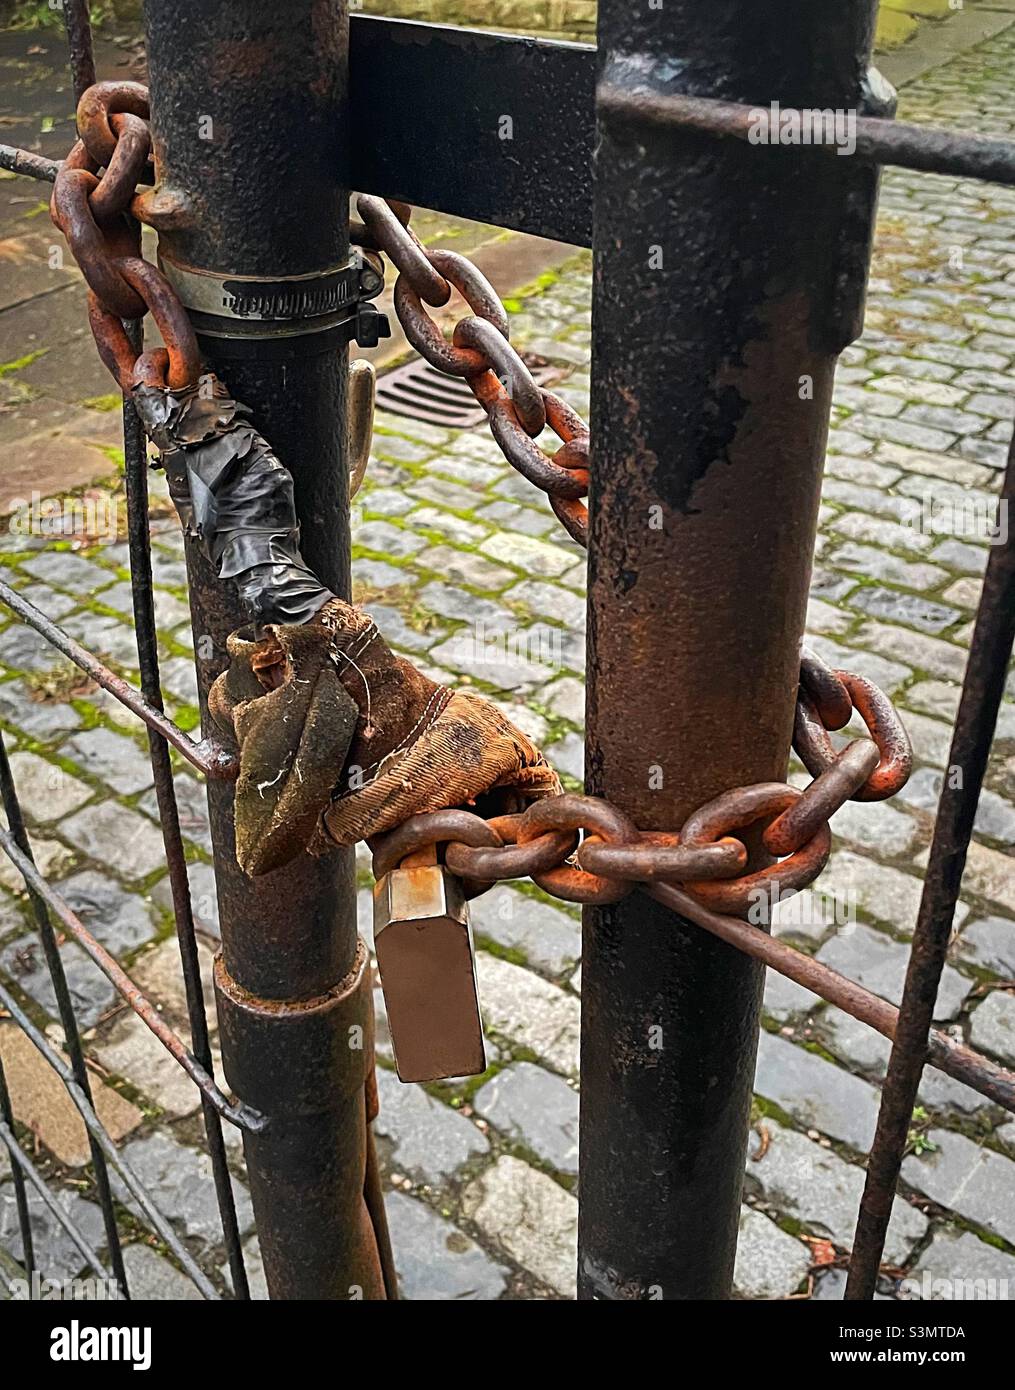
423	943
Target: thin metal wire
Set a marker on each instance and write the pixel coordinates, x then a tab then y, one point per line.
23	1164
20	1194
115	1159
136	457
982	690
207	756
244	1117
17	833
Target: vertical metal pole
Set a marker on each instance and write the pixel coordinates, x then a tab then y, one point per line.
249	118
982	692
727	278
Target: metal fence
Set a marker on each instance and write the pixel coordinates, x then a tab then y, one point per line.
396	164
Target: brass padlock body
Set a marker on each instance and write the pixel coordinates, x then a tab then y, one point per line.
423	944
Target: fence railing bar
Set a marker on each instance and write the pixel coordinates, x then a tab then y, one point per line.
136	459
207	756
116	1160
244	1117
928	149
20	1193
77	22
982	691
955	1059
10	1269
65	1007
23	1163
27	162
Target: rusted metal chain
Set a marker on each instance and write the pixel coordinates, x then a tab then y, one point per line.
705	858
480	351
94	191
613	858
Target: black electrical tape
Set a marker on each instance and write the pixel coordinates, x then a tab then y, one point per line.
235	496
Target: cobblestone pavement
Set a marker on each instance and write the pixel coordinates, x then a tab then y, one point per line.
455	552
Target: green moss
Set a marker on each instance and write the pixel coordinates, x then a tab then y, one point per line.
105	403
509	953
114	455
20	363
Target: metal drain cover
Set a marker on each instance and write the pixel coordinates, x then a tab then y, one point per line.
421	392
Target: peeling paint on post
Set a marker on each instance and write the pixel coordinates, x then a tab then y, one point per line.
724	288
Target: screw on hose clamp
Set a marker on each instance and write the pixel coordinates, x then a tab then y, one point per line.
314	311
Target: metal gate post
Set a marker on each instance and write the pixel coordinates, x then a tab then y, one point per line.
727	278
249	117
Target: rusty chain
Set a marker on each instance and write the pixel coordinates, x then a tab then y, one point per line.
480	351
578	848
93	198
583	850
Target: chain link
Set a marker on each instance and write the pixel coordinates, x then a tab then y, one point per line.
584	850
481	352
92	197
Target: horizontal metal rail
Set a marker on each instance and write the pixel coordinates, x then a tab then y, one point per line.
928	149
115	1159
511	116
207	756
945	1053
244	1117
33	1175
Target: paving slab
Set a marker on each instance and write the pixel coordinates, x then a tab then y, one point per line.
428	1138
536	1108
769	1263
530	1217
435	1261
976	1182
802	1179
42	1104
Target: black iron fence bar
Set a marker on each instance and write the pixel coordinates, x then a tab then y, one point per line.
878	141
982	690
18	836
33	166
115	1159
23	1164
944	1053
20	1192
77	22
138	537
207	756
244	1117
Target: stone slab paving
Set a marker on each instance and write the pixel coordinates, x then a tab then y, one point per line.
466	570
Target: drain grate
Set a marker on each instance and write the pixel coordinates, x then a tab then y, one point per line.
421	392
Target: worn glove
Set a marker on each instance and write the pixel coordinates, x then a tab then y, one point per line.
341	740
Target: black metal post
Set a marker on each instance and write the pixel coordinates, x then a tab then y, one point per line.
249	118
727	279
